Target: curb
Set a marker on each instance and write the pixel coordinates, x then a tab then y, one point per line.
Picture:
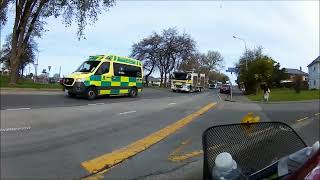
287	102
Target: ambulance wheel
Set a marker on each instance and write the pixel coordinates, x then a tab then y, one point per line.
133	92
91	93
72	94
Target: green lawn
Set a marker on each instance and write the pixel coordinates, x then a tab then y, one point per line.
23	83
287	95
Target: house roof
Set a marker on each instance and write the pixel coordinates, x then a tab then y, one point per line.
295	71
314	61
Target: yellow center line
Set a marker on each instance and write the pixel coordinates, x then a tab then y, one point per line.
317	114
109	160
302	119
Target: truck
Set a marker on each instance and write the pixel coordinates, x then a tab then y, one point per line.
105	75
187	82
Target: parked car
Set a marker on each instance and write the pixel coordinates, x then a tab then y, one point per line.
211	86
225	89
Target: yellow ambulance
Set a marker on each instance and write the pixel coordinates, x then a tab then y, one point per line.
105	75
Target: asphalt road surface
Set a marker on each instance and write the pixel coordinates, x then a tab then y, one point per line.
50	136
38	99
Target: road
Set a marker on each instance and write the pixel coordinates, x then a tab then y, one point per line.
53	136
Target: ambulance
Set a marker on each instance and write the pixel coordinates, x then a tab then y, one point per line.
105	75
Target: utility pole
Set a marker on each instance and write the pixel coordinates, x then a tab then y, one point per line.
245	46
36	68
60	72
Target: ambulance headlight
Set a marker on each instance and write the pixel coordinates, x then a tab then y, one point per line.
80	79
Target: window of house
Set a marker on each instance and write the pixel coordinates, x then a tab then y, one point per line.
314	68
314	82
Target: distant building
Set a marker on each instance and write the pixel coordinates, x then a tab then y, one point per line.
153	81
314	74
292	73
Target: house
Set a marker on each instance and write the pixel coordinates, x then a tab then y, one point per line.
314	74
292	73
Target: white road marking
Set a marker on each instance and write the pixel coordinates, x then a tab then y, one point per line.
15	109
95	104
219	97
172	103
128	112
15	129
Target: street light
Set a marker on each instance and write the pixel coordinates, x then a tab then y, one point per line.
245	46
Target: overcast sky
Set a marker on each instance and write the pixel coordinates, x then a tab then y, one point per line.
288	31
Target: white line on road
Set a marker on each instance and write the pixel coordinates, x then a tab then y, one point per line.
18	109
128	112
15	129
95	104
219	97
172	103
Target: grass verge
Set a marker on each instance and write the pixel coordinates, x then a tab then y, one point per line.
26	83
287	95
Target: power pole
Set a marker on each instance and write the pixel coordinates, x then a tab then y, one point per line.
60	72
36	68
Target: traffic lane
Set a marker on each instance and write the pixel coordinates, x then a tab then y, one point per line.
291	111
303	116
60	99
160	158
60	157
185	145
48	120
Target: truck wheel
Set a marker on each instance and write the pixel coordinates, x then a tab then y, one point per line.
133	92
173	90
91	93
200	89
72	94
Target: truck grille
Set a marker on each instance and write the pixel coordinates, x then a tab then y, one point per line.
68	81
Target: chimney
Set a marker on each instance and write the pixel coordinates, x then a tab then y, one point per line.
300	68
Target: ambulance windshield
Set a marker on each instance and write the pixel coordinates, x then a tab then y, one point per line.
88	66
180	76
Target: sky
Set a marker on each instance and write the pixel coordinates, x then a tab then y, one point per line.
287	30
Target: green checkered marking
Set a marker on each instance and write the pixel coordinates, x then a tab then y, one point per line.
86	83
115	91
139	84
95	78
116	78
105	83
132	79
124	84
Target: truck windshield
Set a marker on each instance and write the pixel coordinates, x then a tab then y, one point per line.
88	66
180	76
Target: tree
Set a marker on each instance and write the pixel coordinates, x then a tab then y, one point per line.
278	75
297	83
175	48
147	50
27	57
202	63
260	69
191	63
163	52
217	76
211	61
30	16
